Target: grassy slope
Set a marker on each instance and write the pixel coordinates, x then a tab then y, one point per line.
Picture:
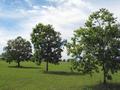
32	77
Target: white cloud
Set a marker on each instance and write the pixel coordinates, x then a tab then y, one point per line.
65	17
29	2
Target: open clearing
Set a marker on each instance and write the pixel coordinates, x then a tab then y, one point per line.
59	77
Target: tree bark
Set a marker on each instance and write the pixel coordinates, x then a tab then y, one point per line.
104	75
18	63
47	66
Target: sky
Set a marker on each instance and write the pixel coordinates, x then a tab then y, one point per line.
19	17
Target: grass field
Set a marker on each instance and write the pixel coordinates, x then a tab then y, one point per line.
59	77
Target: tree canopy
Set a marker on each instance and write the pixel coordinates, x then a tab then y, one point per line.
97	45
17	50
47	44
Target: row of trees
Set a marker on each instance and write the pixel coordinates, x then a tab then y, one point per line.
93	46
47	47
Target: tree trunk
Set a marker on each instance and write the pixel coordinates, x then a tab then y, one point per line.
18	63
104	74
9	62
47	66
105	81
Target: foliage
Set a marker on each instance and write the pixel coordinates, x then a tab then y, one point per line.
17	50
97	44
47	44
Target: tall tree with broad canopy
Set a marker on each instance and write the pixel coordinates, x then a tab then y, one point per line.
47	44
17	50
97	45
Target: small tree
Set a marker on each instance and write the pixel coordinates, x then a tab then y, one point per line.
17	50
97	44
47	44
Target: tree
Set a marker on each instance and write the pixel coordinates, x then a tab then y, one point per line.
97	45
17	50
47	44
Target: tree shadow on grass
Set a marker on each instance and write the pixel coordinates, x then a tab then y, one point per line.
101	86
62	73
23	67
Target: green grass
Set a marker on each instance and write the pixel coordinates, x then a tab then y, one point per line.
59	77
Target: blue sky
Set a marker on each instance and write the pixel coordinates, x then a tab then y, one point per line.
18	17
